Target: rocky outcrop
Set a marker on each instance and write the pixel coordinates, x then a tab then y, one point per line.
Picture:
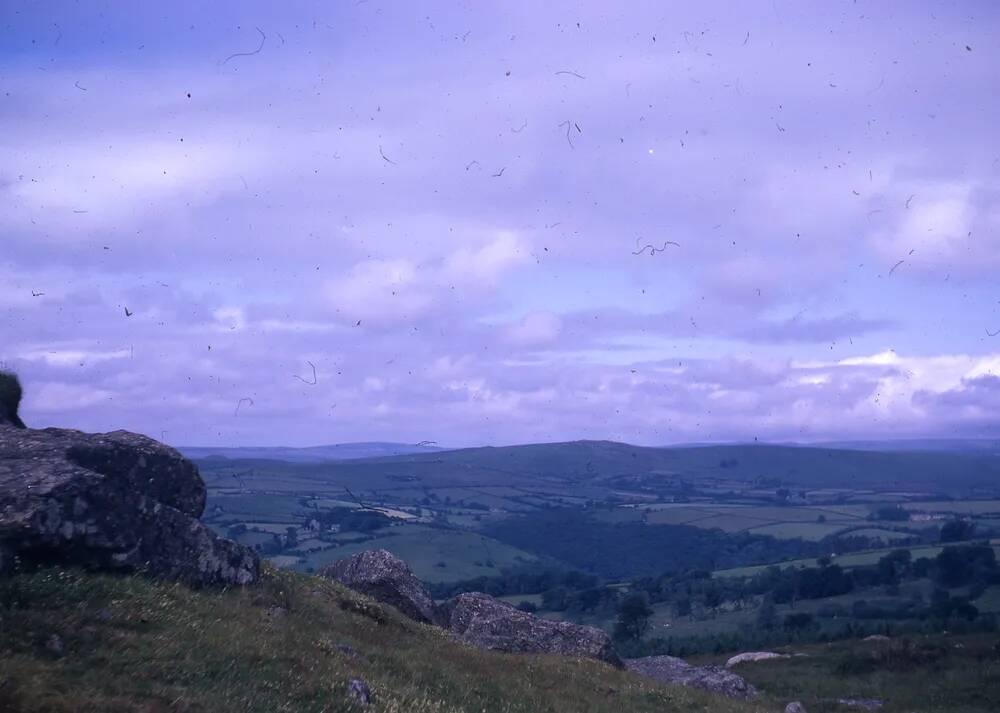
383	576
114	501
751	656
488	623
477	619
716	679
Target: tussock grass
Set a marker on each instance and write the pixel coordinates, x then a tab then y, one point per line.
132	644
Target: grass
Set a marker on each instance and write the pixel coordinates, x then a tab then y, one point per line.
806	530
131	644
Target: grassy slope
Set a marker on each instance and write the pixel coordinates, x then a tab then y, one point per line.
136	645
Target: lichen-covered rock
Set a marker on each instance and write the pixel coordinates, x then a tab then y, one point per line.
866	704
359	691
751	656
114	501
383	576
716	679
488	623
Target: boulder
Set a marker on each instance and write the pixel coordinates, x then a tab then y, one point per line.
359	691
488	623
716	679
386	578
795	707
113	501
752	656
867	704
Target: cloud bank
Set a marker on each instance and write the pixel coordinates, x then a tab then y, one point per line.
501	223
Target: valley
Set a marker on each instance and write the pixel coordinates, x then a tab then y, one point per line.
502	519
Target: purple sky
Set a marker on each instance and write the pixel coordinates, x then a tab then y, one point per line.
445	207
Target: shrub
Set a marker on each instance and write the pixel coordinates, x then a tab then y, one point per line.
905	654
10	398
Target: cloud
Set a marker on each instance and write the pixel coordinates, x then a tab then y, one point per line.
535	328
402	290
488	263
381	289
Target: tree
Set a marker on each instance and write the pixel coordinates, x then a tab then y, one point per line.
893	513
956	565
291	536
767	615
798	620
633	617
957	530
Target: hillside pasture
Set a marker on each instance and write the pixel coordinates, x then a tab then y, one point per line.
434	554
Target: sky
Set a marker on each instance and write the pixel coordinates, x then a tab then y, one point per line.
248	223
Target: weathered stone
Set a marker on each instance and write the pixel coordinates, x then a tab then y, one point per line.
716	679
867	704
359	691
795	707
752	656
114	501
386	578
488	623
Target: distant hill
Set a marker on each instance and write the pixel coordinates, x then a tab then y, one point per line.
602	465
980	445
312	454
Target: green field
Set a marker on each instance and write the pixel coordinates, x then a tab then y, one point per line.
434	555
805	530
813	522
850	560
